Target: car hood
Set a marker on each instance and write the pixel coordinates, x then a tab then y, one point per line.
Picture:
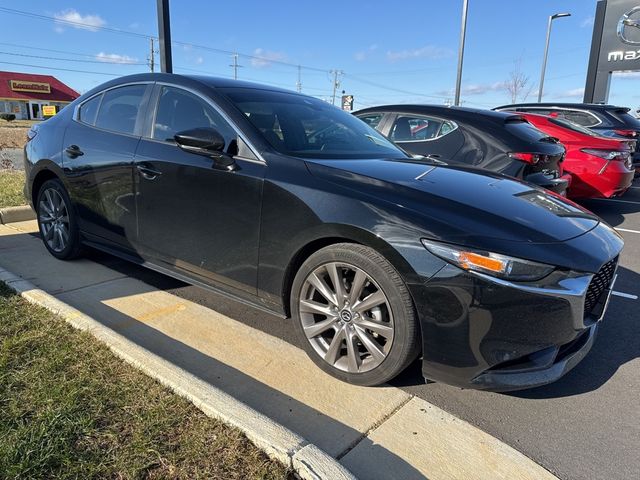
462	205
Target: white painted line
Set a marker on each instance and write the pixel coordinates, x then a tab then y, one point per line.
624	295
626	230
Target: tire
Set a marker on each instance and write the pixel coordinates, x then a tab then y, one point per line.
57	221
383	331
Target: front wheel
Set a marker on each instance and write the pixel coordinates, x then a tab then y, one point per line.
57	221
354	314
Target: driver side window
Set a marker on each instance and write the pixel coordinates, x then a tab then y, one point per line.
179	110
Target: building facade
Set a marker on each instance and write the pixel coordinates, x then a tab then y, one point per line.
24	94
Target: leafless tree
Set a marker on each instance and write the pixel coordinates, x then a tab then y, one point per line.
518	84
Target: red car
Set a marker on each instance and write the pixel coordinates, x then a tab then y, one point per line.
600	167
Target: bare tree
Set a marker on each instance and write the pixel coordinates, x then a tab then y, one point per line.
518	85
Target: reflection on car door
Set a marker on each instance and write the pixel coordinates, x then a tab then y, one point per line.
97	158
193	216
424	135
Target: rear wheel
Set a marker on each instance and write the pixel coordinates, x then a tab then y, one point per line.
354	314
57	221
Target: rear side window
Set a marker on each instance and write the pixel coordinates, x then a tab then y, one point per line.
373	119
89	110
119	109
415	128
623	115
584	119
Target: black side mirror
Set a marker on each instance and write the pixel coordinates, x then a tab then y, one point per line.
208	142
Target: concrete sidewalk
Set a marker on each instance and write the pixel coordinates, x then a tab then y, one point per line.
377	433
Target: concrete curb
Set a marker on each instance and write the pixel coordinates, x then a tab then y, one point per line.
306	459
16	214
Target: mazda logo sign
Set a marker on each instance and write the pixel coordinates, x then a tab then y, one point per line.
629	22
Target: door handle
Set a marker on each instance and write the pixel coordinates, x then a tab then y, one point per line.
73	151
148	173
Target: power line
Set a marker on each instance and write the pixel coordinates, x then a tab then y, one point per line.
45	67
106	60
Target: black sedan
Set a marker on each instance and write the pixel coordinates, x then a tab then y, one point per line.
498	142
286	203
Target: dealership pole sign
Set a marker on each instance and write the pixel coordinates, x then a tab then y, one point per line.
615	46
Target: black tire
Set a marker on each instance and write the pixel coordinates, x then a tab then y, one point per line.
73	247
405	342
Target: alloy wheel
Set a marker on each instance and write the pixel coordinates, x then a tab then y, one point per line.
53	217
346	317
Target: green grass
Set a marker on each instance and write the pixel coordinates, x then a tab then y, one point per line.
70	409
11	184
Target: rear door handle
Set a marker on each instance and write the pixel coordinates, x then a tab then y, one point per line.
73	151
147	172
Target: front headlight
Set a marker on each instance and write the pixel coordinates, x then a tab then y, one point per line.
494	264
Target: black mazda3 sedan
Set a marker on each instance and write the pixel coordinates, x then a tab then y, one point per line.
499	142
286	203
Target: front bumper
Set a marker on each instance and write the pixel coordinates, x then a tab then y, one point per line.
484	333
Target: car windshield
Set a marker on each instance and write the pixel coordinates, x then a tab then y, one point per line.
573	126
306	127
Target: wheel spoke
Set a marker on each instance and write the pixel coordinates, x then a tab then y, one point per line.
309	306
48	234
64	235
52	207
64	219
334	348
46	218
373	300
356	286
353	358
46	208
319	327
322	287
336	279
370	344
377	327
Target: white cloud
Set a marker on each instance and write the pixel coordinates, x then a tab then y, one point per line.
575	92
588	22
263	58
199	61
362	55
85	22
475	89
115	58
428	51
627	75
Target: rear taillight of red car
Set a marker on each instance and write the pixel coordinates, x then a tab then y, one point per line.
607	154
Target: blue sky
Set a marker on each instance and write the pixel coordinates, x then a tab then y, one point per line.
389	52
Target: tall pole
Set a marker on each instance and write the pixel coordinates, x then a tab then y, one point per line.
336	84
463	35
546	51
152	56
235	66
299	83
164	34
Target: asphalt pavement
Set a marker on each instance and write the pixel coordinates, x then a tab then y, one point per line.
585	426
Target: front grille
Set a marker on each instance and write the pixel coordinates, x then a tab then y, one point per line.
599	285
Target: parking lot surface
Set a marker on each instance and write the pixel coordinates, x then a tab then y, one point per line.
585	426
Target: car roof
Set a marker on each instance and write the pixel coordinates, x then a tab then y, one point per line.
209	81
580	106
458	113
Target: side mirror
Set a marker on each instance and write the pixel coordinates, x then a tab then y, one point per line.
208	142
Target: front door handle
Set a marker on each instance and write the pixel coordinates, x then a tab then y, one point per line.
148	173
73	151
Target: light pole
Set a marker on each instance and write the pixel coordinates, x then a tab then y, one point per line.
463	34
546	51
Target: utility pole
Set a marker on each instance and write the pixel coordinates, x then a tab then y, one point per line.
463	34
152	56
299	83
235	66
336	83
164	36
